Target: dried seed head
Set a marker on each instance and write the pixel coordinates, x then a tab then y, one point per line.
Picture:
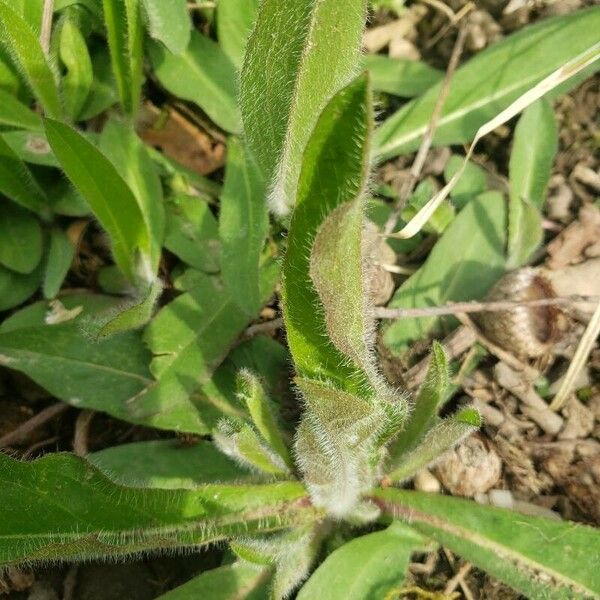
526	331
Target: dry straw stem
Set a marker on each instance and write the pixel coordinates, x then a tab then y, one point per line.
46	30
19	434
568	70
579	359
421	156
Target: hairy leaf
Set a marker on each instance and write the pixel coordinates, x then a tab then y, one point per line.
333	172
243	226
108	195
21	241
490	82
369	566
541	558
299	55
13	113
202	74
61	507
534	147
169	23
21	43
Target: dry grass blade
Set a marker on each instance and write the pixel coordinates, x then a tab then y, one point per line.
568	70
47	25
579	359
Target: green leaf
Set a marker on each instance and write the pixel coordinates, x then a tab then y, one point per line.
129	156
490	81
472	182
334	170
17	182
253	394
192	233
534	148
540	558
125	41
238	581
235	19
317	46
15	288
22	44
243	226
103	93
429	399
65	361
31	147
463	265
31	11
61	507
439	439
169	23
58	262
167	464
108	195
400	77
13	113
20	238
77	81
368	567
202	74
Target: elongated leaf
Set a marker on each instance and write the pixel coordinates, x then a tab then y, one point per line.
77	81
15	114
61	507
238	581
131	159
66	362
235	19
15	288
243	226
22	44
317	49
367	567
541	558
400	77
439	439
167	464
334	171
60	256
20	238
125	38
464	264
108	195
31	147
202	74
490	82
534	147
17	182
169	23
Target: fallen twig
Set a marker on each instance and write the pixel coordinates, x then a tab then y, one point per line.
265	327
82	429
19	434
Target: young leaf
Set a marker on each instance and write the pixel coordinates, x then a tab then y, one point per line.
235	19
333	172
22	44
472	182
238	581
541	558
103	93
243	226
463	265
111	199
129	156
17	182
125	39
252	393
15	288
169	23
77	81
534	147
317	48
167	464
369	566
202	74
400	77
490	81
20	238
430	397
439	439
15	114
48	512
60	256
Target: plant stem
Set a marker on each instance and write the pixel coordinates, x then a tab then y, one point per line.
18	434
46	25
